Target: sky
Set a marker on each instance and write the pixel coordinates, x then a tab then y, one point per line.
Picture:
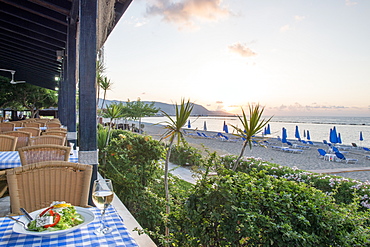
294	57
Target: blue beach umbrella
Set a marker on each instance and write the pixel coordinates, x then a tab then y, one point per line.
189	125
297	135
225	128
361	137
284	136
205	126
308	135
333	135
339	139
268	130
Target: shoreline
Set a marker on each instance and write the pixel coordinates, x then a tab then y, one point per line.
307	160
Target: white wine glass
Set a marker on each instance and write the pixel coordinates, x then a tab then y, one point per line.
102	196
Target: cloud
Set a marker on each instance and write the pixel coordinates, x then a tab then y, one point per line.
285	28
136	22
296	107
185	12
299	18
242	50
350	3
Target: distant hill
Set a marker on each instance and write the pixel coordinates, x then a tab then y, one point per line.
170	108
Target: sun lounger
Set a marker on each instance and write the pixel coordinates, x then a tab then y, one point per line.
300	146
322	153
342	158
292	150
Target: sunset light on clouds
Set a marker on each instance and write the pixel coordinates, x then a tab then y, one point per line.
294	57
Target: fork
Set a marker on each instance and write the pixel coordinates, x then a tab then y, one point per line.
20	222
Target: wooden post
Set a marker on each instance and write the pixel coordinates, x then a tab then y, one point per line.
88	153
70	82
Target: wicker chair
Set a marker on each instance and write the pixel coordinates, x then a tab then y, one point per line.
34	131
56	129
51	181
23	137
6	126
8	143
33	124
55	133
53	125
46	152
47	139
3	183
17	123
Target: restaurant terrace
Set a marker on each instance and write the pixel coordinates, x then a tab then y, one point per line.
54	44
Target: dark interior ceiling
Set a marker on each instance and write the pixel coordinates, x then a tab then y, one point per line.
31	31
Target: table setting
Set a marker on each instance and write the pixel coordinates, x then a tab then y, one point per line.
96	226
11	159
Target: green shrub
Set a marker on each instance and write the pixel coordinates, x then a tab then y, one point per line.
343	190
185	155
133	165
238	209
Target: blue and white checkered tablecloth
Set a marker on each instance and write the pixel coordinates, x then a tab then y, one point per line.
11	159
83	236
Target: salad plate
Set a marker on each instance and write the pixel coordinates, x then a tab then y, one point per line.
87	215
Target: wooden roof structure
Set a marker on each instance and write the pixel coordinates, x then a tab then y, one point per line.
44	39
33	31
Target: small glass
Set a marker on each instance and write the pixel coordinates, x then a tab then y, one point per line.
102	196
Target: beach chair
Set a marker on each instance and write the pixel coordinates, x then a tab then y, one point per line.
322	153
206	136
336	150
342	158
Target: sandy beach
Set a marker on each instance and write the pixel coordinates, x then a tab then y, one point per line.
307	160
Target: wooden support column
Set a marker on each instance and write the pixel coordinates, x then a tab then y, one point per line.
70	81
62	94
88	153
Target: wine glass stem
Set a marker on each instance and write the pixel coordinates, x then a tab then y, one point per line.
102	222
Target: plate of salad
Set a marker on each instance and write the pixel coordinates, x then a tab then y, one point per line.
60	218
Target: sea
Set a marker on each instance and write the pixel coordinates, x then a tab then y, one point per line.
319	127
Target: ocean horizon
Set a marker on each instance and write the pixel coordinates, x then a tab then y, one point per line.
318	126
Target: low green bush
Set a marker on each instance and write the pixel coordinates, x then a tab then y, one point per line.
133	163
185	155
239	209
262	204
342	189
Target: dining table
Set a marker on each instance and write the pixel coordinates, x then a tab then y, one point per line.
11	159
83	236
41	128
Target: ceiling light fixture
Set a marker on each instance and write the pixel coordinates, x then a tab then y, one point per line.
60	55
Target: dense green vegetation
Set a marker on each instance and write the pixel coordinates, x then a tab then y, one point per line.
259	204
25	96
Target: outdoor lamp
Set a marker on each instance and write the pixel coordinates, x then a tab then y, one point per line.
60	55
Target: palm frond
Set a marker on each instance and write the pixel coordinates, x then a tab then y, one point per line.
252	127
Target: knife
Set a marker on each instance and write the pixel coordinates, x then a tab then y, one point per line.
26	214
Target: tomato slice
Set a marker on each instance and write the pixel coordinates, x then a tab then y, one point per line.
44	212
56	218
